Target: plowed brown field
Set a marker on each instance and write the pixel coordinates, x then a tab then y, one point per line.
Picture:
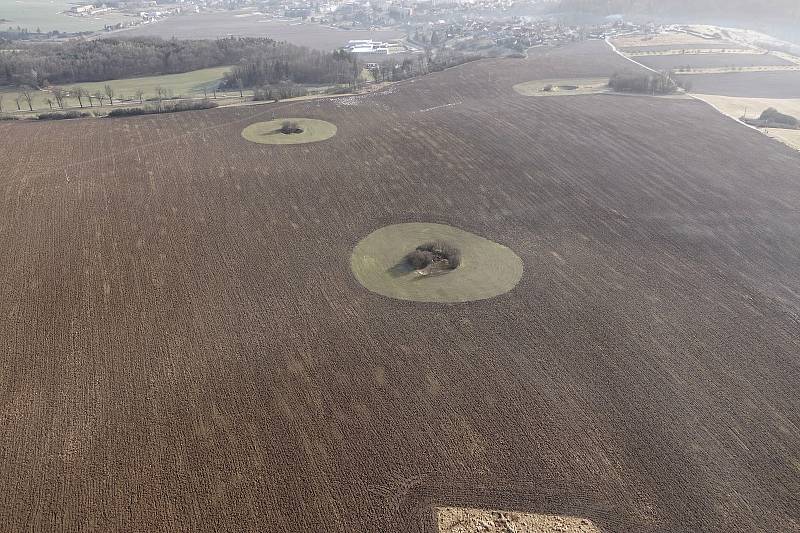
183	345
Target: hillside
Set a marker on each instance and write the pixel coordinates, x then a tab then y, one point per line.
184	346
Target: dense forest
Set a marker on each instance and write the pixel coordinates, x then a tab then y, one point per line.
42	64
643	83
293	64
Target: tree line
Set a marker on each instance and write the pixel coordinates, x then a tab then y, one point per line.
284	62
44	64
646	83
432	61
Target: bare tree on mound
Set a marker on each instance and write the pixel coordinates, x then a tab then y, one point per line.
288	127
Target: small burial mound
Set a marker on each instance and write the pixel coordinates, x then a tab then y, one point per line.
426	262
289	131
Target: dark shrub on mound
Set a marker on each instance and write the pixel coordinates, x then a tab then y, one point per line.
289	127
419	259
437	252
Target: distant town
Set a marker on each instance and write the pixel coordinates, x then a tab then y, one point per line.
482	27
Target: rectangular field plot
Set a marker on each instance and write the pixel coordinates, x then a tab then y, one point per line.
692	61
713	45
750	84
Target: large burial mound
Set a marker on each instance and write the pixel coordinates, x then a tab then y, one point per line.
555	87
289	131
454	266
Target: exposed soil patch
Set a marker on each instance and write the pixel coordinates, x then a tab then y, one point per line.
465	520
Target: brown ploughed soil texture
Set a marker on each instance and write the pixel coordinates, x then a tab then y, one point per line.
785	84
183	345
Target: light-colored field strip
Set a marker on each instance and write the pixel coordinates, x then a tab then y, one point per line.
726	70
466	520
737	107
662	39
788	57
694	51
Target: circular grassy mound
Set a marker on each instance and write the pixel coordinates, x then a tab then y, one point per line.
270	132
562	87
487	269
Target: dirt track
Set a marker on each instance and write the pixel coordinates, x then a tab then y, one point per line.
170	361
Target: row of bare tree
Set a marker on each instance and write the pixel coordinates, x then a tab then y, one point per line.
57	97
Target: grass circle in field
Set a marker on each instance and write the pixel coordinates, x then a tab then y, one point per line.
562	87
270	132
487	268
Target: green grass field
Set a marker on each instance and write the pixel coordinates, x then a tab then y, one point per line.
487	268
187	84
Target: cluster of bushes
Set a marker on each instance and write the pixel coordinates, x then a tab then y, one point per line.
772	115
438	253
62	115
643	83
281	92
169	107
339	90
288	127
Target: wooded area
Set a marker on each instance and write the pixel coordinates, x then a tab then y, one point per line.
43	64
286	62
